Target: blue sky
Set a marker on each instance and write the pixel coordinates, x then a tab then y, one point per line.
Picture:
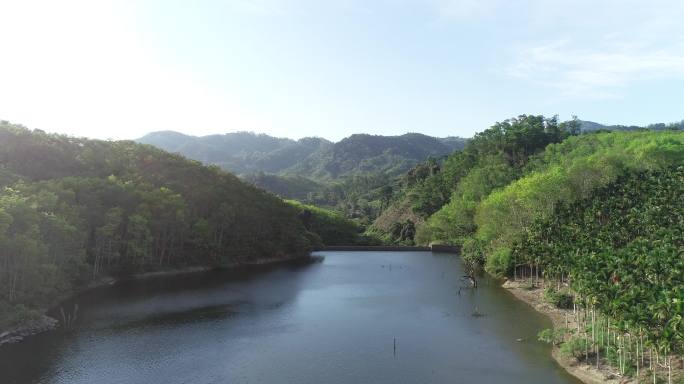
295	68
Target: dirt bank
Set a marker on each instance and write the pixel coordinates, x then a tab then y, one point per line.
587	373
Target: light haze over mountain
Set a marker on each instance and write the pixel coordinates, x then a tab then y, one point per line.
301	68
311	157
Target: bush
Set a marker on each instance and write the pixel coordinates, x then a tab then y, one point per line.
552	336
499	262
314	239
574	347
560	299
11	315
473	252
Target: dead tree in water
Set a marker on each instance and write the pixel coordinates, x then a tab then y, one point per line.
68	319
471	270
471	278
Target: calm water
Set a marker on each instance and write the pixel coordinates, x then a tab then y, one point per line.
329	322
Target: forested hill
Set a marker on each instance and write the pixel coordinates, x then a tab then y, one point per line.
315	158
239	152
597	215
73	210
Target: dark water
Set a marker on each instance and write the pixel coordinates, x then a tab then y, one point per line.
329	322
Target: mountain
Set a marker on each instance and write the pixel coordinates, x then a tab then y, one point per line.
238	152
590	126
363	153
311	157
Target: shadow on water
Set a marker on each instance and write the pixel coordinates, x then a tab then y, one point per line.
196	315
154	302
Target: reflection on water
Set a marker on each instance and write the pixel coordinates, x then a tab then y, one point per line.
329	322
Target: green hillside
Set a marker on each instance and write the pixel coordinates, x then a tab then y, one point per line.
327	227
620	250
74	210
598	216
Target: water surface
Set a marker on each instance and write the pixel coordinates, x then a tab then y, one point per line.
330	322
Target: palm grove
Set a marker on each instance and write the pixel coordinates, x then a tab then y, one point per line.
599	215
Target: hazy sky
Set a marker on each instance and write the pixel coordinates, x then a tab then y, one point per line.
331	68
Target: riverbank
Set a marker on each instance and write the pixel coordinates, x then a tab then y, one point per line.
563	318
45	323
372	248
19	332
391	248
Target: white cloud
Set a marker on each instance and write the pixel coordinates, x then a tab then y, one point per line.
600	70
597	49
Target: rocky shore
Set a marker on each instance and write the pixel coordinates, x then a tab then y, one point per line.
34	327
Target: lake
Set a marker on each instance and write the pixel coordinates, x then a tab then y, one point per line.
355	317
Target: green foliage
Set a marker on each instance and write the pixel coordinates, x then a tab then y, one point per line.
498	263
360	197
403	233
473	253
16	315
73	210
331	227
552	336
505	147
573	347
560	299
287	187
622	250
603	211
490	161
569	171
358	176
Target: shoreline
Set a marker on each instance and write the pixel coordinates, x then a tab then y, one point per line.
45	323
390	248
584	372
33	327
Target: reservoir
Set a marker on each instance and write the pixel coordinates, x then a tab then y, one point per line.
354	317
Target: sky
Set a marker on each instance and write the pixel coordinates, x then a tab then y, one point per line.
296	68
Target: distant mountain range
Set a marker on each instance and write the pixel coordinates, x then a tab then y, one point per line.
589	126
246	153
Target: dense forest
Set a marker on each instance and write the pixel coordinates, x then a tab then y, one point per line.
74	210
359	197
442	196
327	227
597	214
